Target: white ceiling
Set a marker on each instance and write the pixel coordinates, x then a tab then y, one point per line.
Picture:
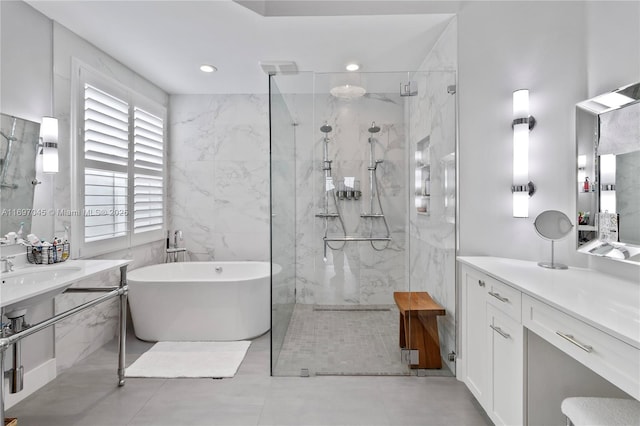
167	41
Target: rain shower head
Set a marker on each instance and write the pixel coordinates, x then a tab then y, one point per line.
325	128
374	128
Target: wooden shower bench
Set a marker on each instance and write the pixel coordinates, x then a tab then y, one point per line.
419	326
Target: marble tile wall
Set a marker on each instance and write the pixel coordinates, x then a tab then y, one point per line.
219	175
357	273
432	243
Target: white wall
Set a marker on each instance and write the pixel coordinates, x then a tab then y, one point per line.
504	46
613	45
26	61
25	92
563	52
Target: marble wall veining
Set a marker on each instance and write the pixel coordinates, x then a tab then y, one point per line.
354	273
219	175
432	236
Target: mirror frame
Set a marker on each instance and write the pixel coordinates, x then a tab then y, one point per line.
589	236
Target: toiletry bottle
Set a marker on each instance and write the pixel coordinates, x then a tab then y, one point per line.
19	237
586	186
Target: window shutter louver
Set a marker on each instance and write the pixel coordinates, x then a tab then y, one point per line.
148	164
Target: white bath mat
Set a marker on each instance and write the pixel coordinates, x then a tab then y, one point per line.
190	359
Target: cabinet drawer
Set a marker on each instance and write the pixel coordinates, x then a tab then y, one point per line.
504	297
611	358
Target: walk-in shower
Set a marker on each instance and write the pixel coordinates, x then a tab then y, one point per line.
343	221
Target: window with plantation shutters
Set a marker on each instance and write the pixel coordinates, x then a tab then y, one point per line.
118	185
106	165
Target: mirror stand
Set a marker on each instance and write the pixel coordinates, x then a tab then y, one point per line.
552	264
552	225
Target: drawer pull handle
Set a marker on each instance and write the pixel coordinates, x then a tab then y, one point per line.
481	283
497	296
570	338
500	332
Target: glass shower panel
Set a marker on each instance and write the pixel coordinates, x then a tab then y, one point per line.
282	140
286	130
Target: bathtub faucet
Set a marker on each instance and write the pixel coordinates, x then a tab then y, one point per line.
172	252
177	236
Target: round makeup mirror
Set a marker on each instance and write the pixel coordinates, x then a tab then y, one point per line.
552	225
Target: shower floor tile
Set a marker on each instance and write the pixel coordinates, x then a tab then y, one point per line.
344	340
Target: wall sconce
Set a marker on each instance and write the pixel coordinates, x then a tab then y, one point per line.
522	187
49	144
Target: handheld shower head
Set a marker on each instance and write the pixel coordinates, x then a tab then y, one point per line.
374	128
325	128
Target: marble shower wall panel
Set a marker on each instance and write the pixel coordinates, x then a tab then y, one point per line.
355	274
219	175
432	244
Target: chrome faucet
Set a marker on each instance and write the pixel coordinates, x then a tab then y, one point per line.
7	263
177	236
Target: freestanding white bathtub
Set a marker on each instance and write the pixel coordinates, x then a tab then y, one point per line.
200	301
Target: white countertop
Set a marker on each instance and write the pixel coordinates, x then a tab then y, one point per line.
608	303
74	270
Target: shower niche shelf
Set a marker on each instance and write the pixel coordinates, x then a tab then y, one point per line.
423	176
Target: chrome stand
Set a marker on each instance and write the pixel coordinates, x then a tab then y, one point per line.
552	265
16	336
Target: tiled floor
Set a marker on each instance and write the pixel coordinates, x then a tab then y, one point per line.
349	340
88	395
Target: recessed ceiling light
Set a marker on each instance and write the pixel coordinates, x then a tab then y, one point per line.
208	68
353	67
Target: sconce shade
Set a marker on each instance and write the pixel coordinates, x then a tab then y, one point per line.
522	123
49	141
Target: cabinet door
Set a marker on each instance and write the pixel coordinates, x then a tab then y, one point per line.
475	334
506	367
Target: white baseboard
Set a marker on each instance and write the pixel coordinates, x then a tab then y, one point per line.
33	380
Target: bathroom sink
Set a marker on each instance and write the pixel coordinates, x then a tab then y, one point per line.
34	284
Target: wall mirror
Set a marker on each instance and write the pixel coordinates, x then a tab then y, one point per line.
18	149
608	174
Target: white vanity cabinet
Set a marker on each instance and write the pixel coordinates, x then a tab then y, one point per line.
474	333
505	369
516	316
492	345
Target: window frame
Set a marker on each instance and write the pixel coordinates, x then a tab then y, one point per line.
83	74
